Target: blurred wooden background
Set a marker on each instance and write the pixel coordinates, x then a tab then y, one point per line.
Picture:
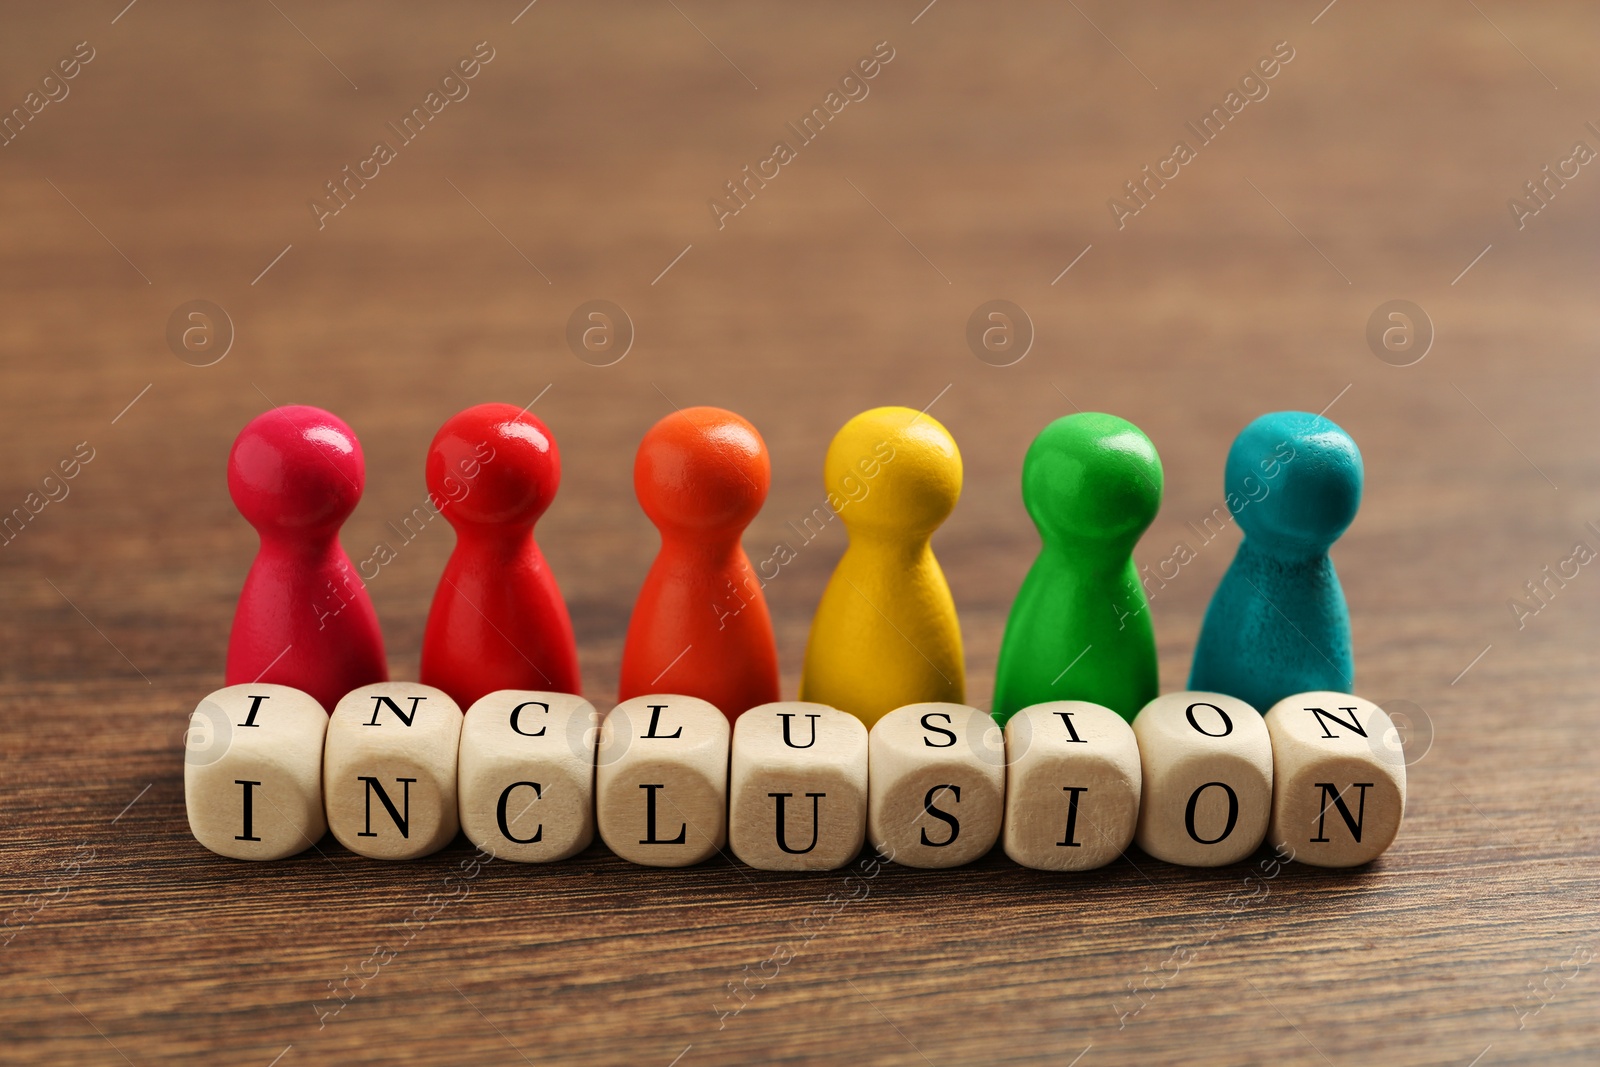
179	165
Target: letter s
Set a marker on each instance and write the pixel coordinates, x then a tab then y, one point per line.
929	742
943	816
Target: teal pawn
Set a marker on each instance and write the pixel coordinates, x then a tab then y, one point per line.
1080	626
1278	624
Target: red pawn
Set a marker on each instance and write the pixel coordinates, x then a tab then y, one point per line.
303	620
498	620
700	626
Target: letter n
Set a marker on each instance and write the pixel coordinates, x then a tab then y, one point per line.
1323	716
381	702
1352	822
402	819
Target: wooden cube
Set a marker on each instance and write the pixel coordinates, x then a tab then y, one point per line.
1072	786
936	784
525	775
1207	765
1339	790
797	798
389	770
661	780
252	771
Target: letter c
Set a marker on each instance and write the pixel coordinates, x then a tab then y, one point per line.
505	824
516	712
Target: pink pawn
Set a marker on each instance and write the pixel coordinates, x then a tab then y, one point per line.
303	620
497	620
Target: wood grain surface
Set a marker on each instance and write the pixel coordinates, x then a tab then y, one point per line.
180	163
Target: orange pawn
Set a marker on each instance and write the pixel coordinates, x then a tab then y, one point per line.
700	627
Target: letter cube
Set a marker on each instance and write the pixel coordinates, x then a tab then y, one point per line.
252	771
1339	790
661	780
797	798
389	770
525	775
1207	765
936	784
1072	786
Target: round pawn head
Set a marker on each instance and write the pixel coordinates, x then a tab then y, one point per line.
296	469
893	469
1293	481
702	470
1092	477
493	464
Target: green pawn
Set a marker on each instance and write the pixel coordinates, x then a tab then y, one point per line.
1080	627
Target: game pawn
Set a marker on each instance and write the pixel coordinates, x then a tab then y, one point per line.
885	634
1080	626
303	619
497	620
700	626
1278	624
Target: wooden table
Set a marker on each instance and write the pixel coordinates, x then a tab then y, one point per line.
580	166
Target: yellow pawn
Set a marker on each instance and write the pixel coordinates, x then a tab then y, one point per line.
885	634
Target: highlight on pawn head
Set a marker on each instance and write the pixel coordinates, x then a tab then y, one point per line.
894	470
296	468
1293	481
493	464
703	469
1092	477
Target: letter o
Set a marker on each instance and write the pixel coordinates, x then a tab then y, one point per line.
1227	723
1233	812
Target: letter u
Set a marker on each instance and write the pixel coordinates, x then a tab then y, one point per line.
816	802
